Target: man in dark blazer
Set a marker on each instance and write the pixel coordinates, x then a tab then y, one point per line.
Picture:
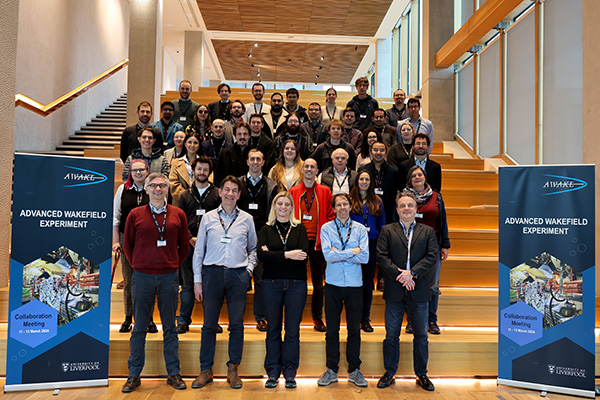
406	287
433	170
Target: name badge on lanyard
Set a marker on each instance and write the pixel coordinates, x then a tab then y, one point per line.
306	217
419	215
201	212
363	116
182	118
379	192
161	243
253	206
226	240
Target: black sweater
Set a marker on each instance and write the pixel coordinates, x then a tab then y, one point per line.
276	266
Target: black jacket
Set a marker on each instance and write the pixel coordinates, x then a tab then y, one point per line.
389	184
322	154
364	109
190	201
232	161
129	141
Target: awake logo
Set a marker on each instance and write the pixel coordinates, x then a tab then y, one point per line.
82	177
562	184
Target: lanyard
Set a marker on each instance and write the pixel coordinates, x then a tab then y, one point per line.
379	172
343	180
284	241
202	199
331	117
161	231
308	206
418	126
260	110
255	194
237	212
340	234
365	211
409	234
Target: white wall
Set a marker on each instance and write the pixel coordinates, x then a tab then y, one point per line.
62	44
169	74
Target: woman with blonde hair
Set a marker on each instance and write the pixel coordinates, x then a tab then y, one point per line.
287	172
283	249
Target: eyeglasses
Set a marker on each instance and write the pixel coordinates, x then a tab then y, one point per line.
157	185
139	170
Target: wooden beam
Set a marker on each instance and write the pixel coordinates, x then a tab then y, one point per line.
481	22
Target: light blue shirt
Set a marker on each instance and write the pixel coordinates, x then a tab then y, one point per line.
421	163
343	267
210	249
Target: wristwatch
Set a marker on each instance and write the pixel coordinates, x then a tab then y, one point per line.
414	275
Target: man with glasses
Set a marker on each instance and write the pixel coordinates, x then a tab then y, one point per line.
387	133
433	170
398	111
155	241
224	260
421	125
166	125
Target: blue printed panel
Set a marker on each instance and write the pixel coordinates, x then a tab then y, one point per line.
521	323
34	323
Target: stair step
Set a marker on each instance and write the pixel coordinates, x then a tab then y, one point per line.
84	131
466	198
84	143
484	217
103	128
100	123
475	242
94	137
81	147
457	179
109	120
448	162
471	271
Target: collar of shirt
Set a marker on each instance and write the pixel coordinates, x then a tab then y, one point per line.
342	174
346	226
407	229
158	210
421	163
221	211
254	181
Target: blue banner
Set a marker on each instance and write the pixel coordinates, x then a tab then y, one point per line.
547	278
60	271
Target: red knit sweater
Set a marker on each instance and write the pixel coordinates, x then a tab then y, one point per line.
141	236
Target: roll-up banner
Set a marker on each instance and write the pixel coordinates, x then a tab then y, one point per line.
60	270
547	278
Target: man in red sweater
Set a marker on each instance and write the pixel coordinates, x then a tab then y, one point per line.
312	204
156	243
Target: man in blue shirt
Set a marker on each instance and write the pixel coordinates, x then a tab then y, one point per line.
345	247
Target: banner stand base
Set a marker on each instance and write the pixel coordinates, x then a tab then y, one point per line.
55	385
548	388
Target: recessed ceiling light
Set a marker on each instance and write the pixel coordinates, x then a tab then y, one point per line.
255	44
250	55
322	58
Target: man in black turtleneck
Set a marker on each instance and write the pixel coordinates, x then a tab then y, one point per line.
363	104
232	161
315	127
216	143
292	131
220	109
259	140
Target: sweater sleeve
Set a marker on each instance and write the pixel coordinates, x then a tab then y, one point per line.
268	256
182	236
129	237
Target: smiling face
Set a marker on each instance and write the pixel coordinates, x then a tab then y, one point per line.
399	97
229	194
157	189
255	162
258	92
237	110
144	115
378	151
407	132
178	138
310	169
256	125
335	132
202	113
289	152
192	145
342	208
185	89
283	208
364	181
331	96
201	172
378	118
420	147
417	180
224	93
348	119
371	138
242	135
407	209
139	172
314	112
339	159
146	140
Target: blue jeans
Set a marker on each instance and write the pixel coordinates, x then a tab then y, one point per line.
144	288
394	312
283	356
186	296
219	284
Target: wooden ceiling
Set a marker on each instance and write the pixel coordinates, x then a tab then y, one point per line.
357	18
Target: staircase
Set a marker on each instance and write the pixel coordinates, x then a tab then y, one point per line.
102	132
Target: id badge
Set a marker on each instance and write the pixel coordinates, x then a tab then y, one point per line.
379	192
306	217
161	243
182	118
201	212
253	206
419	215
225	240
368	228
363	116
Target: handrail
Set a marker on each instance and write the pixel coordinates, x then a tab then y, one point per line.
45	110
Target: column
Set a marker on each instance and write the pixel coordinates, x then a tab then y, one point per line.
144	75
193	58
383	67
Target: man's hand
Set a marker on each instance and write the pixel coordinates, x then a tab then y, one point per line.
444	254
298	255
193	241
264	248
356	251
406	279
116	247
198	290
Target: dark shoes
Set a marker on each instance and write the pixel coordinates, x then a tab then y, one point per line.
365	325
261	325
126	326
232	376
380	284
182	328
152	327
386	380
176	382
425	383
408	328
132	383
433	328
203	379
271	382
319	325
219	329
290	383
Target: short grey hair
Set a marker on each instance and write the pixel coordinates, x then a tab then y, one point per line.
153	176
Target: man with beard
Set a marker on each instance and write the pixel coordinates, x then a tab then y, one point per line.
292	132
260	141
184	106
323	152
275	119
129	138
433	170
292	95
232	161
351	135
421	125
314	127
363	104
236	114
387	133
398	111
220	109
199	199
257	106
166	125
216	143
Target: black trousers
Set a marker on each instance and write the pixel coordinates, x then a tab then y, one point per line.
317	273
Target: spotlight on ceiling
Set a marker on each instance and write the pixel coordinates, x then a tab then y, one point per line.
250	55
255	44
322	58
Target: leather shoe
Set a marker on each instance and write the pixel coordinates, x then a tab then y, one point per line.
261	325
365	325
132	383
125	326
425	383
152	327
433	328
380	284
408	328
203	379
182	328
121	285
386	380
176	382
219	329
232	376
319	325
271	382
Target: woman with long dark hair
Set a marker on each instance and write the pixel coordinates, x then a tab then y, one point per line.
181	175
365	148
201	124
367	209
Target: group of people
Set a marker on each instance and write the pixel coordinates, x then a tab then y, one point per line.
256	192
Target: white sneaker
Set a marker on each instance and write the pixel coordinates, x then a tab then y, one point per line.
328	378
